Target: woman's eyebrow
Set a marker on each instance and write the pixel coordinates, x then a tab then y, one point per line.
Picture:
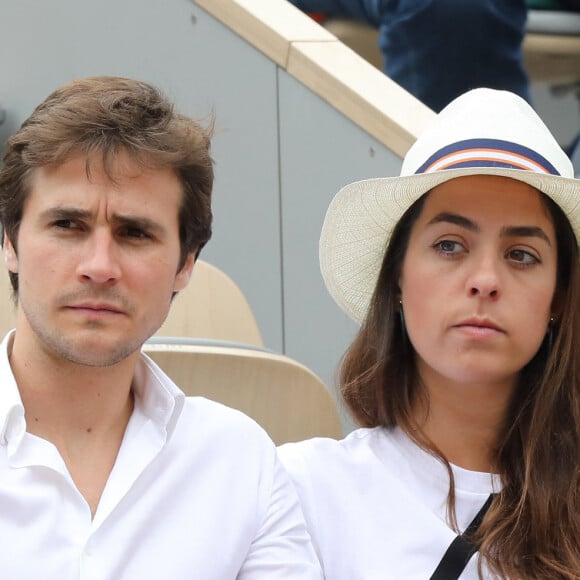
506	231
525	232
454	218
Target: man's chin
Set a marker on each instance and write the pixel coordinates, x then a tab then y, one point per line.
93	353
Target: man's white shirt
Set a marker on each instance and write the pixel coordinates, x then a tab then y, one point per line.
196	492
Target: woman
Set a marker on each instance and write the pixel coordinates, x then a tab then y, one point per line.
464	274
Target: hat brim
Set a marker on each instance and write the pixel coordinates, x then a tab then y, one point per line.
361	218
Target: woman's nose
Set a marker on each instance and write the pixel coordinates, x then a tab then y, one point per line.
484	279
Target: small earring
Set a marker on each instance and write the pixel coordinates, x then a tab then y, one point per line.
550	333
402	318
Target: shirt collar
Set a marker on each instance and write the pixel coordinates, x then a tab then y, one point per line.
12	423
156	397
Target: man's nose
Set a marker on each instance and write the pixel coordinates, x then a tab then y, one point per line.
100	259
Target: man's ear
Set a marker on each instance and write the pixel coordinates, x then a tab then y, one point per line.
10	257
184	275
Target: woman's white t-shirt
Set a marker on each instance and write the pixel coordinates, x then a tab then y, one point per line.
375	504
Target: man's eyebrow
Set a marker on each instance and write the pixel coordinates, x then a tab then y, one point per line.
454	218
73	213
525	232
139	223
65	213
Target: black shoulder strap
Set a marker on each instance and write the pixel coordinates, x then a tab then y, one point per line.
461	549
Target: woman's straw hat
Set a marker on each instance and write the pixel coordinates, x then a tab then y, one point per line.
483	132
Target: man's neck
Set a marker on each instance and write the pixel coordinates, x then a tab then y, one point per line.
60	396
82	410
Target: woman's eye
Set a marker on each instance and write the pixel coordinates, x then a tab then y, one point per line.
523	257
448	247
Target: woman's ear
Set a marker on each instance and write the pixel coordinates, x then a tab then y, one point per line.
10	257
557	306
184	275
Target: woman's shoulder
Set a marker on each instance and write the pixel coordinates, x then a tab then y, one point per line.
325	456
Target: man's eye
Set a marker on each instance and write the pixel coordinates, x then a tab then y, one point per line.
136	233
64	224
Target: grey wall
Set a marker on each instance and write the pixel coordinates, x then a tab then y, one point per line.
202	67
281	152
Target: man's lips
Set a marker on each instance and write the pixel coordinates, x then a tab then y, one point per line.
96	308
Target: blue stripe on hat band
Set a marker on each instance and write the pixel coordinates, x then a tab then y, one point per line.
487	153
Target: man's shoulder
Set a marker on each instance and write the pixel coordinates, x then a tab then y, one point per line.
220	422
216	412
197	418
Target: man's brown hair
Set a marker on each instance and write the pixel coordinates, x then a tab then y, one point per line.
104	116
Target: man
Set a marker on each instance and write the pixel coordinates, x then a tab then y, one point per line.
106	470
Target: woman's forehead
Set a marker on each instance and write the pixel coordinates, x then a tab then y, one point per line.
484	194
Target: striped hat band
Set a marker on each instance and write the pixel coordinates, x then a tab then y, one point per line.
487	153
